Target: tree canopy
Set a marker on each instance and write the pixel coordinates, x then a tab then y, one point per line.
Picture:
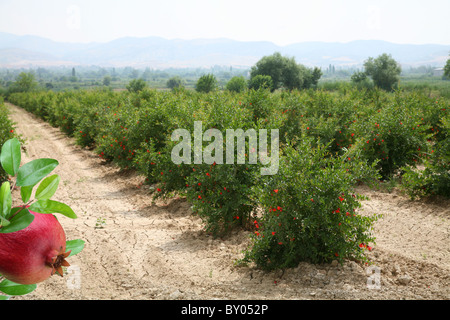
447	69
25	82
260	81
136	85
384	71
175	82
237	84
206	83
285	72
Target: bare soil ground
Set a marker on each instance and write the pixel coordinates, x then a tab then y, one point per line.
139	250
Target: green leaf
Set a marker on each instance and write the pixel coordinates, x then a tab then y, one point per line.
25	193
48	187
10	156
52	206
4	297
19	221
75	245
15	289
5	200
34	171
4	222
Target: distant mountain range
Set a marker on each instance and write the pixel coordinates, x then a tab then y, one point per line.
159	53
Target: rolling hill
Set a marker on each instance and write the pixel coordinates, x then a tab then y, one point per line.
159	53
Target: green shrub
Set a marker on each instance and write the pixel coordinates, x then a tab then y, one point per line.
174	83
261	82
206	83
393	135
434	179
310	211
222	196
219	193
237	84
6	133
136	85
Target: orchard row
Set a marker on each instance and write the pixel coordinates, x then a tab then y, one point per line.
329	142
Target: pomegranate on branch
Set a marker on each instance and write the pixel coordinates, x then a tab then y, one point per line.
33	243
33	254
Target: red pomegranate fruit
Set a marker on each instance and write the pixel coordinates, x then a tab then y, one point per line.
33	254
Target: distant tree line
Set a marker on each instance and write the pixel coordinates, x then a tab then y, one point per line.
280	72
271	72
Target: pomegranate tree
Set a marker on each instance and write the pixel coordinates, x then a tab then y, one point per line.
33	244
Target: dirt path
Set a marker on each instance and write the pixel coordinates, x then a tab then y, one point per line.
139	250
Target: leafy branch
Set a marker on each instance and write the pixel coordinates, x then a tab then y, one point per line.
15	218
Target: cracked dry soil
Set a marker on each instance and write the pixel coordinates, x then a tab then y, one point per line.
139	250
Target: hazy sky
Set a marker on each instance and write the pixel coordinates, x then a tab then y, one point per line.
279	21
